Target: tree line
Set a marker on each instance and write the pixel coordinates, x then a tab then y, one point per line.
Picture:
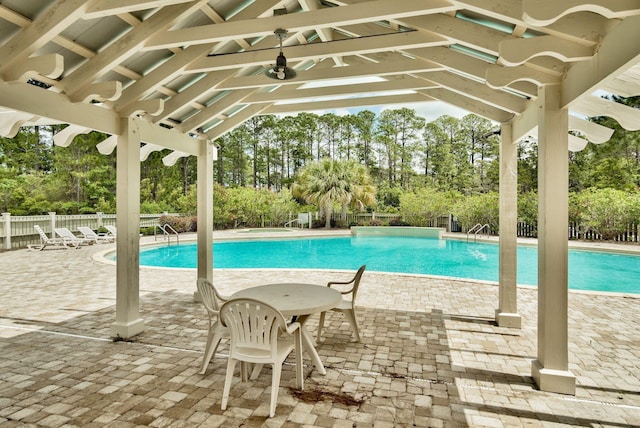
404	156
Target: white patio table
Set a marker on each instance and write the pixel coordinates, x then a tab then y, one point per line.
299	300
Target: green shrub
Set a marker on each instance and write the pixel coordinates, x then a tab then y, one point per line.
478	209
608	212
398	222
179	224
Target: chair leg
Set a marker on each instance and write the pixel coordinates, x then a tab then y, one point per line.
321	324
350	314
255	372
231	365
275	385
297	337
213	341
244	371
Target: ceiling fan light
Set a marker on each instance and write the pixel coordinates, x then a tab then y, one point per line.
280	71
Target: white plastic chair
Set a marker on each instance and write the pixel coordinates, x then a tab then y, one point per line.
89	234
112	231
255	329
45	241
69	238
346	306
212	301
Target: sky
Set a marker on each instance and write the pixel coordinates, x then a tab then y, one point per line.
430	110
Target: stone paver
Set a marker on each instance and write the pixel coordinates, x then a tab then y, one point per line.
430	354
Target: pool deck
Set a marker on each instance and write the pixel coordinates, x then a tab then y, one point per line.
430	355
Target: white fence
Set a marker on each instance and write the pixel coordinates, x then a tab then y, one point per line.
18	231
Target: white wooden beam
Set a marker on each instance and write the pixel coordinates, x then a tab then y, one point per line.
541	13
297	22
515	52
102	8
107	146
400	84
172	158
216	109
465	64
479	91
66	135
170	69
152	107
325	34
10	122
525	123
51	22
125	46
469	104
595	133
101	91
395	65
50	65
502	77
346	103
396	41
627	117
617	53
147	149
38	101
164	137
236	120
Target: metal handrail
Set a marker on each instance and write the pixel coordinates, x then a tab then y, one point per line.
477	229
165	233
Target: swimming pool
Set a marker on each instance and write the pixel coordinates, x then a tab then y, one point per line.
588	270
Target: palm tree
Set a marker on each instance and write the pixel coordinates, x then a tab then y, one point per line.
328	182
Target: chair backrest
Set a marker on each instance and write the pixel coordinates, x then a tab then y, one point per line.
87	232
65	233
254	327
112	229
43	236
210	297
354	283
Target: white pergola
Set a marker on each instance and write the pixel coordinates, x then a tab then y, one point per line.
177	74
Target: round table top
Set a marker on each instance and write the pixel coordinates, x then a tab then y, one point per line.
293	298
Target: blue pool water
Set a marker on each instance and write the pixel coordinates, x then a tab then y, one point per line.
588	270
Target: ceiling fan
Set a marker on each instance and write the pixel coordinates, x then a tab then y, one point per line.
280	71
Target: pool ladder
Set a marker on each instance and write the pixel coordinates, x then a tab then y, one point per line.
165	228
478	228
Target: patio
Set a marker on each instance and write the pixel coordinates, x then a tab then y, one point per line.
431	354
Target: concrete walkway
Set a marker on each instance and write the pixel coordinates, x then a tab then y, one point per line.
430	354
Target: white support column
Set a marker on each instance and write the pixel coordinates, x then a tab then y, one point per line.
205	212
507	312
128	322
551	369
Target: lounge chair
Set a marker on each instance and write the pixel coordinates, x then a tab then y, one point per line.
70	239
346	306
45	241
97	238
112	231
